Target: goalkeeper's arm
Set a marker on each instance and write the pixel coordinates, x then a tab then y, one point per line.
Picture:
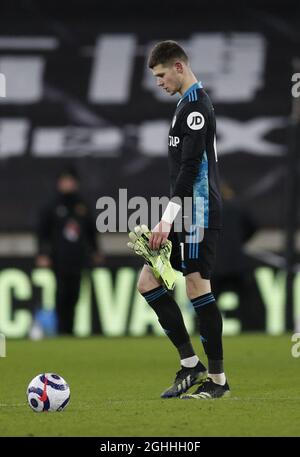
161	231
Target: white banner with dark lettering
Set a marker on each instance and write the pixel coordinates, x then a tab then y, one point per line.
83	92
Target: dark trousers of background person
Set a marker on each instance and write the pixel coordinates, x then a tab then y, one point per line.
250	310
67	294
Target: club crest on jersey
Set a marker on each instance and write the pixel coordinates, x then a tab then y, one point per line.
195	120
173	121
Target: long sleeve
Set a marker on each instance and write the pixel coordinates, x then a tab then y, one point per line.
194	128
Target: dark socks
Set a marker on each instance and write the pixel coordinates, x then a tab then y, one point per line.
210	327
171	320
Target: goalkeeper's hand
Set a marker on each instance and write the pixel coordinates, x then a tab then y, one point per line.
160	235
158	260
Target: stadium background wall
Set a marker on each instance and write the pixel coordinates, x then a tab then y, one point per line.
83	92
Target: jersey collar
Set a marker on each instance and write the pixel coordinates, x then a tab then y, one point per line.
197	85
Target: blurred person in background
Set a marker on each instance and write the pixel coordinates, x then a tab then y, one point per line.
67	243
233	271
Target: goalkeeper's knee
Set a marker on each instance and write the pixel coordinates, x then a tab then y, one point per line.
147	281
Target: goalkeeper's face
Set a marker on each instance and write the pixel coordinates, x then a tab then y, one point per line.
169	77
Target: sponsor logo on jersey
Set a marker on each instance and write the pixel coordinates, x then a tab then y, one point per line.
195	120
174	141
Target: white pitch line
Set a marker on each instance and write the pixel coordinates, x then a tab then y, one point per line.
8	405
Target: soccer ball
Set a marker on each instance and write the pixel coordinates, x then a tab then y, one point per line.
48	392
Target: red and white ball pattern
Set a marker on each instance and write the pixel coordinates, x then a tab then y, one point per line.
48	392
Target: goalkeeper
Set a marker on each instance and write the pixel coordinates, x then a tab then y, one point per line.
193	166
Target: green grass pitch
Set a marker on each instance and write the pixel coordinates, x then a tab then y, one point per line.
116	385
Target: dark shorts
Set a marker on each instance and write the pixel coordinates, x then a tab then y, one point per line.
194	251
